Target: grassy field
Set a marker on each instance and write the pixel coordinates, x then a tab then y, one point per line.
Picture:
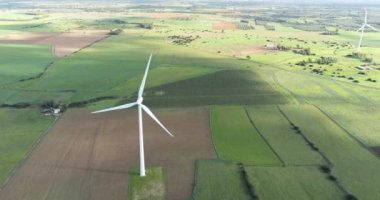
292	183
216	179
151	187
359	120
353	165
289	145
19	131
34	60
237	140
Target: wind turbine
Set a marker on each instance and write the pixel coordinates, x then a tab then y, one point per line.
362	28
141	107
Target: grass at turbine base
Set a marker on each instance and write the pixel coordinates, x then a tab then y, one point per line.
149	187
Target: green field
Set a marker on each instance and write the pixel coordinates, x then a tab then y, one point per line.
289	145
34	60
292	183
231	87
235	138
20	129
354	166
217	179
360	120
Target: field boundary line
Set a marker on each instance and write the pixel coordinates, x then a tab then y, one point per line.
307	140
344	129
261	135
210	132
29	153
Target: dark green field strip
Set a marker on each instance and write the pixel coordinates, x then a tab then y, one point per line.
282	138
283	183
223	87
356	168
235	138
216	179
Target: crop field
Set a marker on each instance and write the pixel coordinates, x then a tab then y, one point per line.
284	140
100	150
238	140
292	183
344	152
265	101
211	185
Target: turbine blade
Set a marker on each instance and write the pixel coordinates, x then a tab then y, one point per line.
373	28
150	113
141	90
361	28
128	105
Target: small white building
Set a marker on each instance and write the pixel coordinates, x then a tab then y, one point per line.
363	67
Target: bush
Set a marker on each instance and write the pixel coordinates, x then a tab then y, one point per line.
350	197
325	169
332	178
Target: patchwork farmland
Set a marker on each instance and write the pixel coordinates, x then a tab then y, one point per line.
264	101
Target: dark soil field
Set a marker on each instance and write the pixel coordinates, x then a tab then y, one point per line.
88	156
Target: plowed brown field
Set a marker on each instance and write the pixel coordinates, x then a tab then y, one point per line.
88	156
63	43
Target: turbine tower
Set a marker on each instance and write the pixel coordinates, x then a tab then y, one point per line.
362	29
141	107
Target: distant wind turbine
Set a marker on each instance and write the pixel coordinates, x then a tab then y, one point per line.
140	108
362	29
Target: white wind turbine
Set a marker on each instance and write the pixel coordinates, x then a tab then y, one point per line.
140	108
362	29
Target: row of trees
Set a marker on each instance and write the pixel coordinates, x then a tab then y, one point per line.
321	60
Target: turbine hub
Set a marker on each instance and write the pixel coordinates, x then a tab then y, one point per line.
140	100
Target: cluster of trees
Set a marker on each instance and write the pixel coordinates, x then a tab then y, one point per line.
322	61
331	32
183	40
270	27
361	56
302	51
146	25
283	47
326	60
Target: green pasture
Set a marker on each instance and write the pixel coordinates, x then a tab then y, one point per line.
19	131
236	139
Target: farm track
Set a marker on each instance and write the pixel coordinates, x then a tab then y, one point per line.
88	156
